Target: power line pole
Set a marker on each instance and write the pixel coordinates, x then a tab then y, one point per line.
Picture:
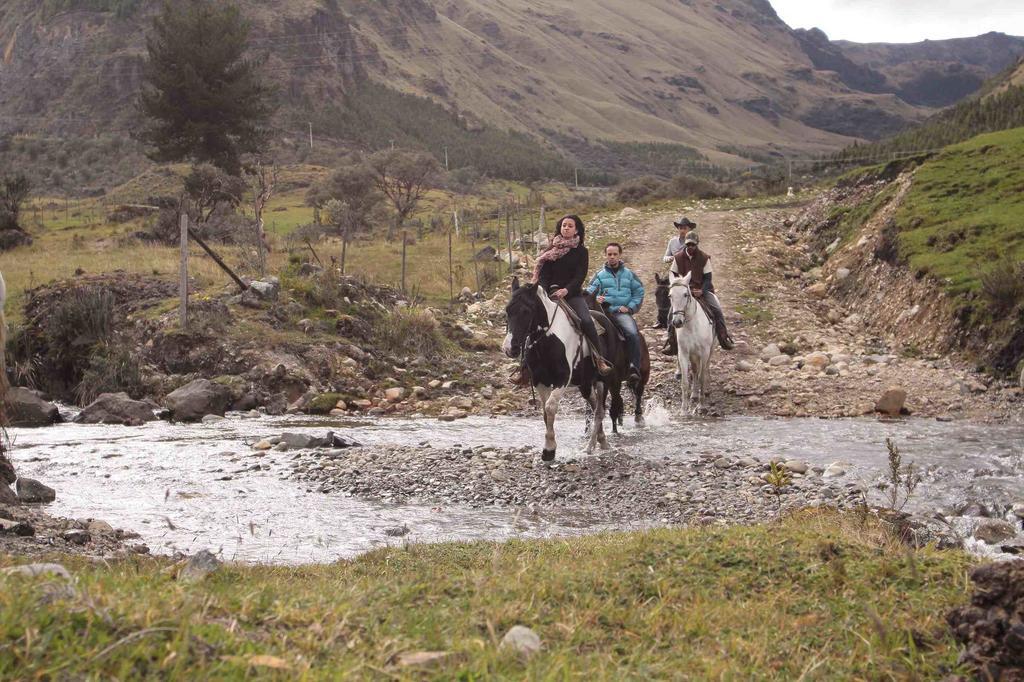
446	158
310	134
576	172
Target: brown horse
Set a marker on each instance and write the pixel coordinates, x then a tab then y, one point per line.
618	358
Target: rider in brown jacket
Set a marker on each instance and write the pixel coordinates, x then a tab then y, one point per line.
690	259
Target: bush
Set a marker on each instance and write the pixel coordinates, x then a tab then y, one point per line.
685	186
1003	286
638	190
83	319
111	369
410	332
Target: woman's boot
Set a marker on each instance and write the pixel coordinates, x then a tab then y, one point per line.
590	331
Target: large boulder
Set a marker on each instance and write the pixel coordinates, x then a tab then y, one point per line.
891	402
32	491
116	408
26	408
194	401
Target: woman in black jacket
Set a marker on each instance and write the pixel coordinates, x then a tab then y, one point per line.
561	271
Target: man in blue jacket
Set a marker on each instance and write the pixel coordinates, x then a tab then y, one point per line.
620	294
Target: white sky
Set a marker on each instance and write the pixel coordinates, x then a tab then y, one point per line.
903	21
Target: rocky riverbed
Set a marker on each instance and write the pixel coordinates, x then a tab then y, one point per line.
613	486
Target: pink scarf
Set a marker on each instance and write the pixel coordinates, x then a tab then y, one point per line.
559	247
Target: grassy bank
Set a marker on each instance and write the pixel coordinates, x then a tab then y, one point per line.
963	212
818	595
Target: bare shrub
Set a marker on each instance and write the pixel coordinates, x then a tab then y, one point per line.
685	186
410	332
111	369
638	190
1003	285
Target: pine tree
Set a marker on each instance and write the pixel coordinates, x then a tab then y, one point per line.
203	98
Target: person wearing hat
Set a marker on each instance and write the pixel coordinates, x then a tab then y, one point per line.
690	259
675	245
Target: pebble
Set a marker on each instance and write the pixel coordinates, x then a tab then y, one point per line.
522	640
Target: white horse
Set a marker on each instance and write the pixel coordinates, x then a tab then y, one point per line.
695	336
542	337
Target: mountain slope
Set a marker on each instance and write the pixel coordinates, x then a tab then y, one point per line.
725	78
937	72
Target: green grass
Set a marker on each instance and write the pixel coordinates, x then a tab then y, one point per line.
753	307
816	595
964	211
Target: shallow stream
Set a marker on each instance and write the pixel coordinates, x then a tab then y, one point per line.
190	487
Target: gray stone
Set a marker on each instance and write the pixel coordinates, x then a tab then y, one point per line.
299	441
212	419
116	408
35	570
723	463
780	360
842	273
98	527
994	531
796	466
522	640
744	366
266	290
77	536
770	351
32	491
834	470
199	566
194	401
19	528
25	408
1018	510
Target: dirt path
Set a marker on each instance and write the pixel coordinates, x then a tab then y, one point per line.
834	366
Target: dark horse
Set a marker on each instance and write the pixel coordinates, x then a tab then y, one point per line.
661	297
618	357
554	355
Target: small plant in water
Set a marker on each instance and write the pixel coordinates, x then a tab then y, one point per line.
902	479
779	479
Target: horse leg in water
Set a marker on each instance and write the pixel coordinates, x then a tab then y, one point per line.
596	398
549	399
684	373
617	407
638	399
697	368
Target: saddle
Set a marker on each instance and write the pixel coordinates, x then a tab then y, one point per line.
604	325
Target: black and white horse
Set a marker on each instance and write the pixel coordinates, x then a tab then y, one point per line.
543	337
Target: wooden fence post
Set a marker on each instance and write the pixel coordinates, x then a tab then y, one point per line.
451	285
508	236
472	257
183	272
405	241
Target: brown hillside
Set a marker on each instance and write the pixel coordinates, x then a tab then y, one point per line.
723	76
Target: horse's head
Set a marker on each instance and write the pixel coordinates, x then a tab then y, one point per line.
524	314
661	296
680	296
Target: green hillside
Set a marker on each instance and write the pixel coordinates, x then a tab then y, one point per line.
965	211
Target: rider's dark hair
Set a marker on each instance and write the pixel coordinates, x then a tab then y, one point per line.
579	226
615	244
